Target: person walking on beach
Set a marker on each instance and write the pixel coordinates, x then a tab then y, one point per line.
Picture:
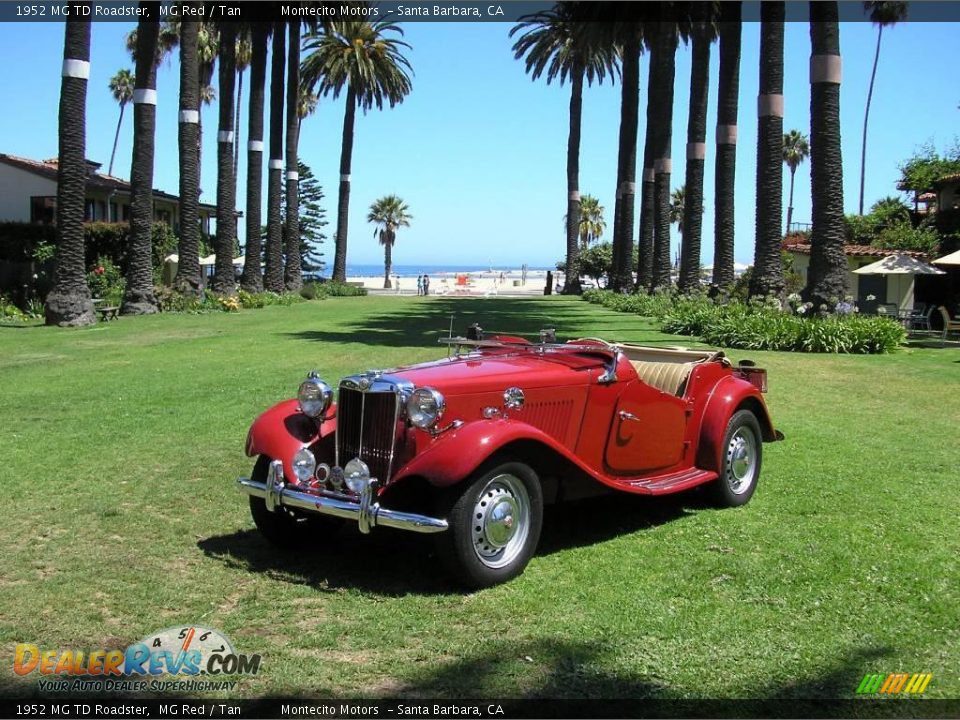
426	284
419	284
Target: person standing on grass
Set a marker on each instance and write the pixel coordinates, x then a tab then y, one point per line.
426	284
419	284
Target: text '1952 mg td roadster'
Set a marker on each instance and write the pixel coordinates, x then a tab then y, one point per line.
470	447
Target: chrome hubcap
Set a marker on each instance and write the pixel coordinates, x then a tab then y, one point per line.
501	521
741	460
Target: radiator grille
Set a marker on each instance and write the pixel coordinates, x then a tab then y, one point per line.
367	428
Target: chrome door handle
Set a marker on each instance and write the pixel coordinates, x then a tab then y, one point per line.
624	415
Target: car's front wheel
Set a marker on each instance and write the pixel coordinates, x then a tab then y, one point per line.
283	527
495	520
740	467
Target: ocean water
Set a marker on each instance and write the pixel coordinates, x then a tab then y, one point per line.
373	270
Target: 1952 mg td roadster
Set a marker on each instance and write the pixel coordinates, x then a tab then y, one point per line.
470	447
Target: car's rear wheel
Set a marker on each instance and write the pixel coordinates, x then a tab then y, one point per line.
286	528
740	466
495	519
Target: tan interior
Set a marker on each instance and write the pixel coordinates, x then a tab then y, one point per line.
667	369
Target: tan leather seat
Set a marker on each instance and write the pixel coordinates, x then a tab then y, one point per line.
668	377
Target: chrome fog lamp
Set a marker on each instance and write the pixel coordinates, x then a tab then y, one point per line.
304	465
356	475
314	396
425	407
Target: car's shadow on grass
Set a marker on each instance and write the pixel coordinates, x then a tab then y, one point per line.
395	563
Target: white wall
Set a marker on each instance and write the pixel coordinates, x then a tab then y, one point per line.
16	188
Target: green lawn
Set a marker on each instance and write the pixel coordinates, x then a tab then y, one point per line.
121	443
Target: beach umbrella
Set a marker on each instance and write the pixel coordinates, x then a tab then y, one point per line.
898	265
951	259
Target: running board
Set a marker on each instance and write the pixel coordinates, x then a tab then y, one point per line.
674	482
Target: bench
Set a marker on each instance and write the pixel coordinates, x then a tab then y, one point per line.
108	313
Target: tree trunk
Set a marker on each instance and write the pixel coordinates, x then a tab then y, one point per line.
236	125
116	138
343	204
571	285
767	278
645	238
252	279
696	153
662	164
139	298
387	262
293	274
273	272
827	276
224	281
188	279
866	116
627	188
68	303
793	175
726	164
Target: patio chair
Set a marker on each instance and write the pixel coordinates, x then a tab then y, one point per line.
949	325
919	317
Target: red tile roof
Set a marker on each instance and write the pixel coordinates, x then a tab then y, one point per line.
856	250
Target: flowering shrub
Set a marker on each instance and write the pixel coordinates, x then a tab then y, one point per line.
106	281
230	304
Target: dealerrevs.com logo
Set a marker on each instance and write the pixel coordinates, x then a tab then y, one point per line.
894	683
170	660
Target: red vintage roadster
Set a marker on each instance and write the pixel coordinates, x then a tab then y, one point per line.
470	447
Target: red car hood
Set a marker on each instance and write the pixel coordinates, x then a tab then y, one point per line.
486	372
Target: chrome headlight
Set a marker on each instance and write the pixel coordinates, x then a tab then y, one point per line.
425	407
304	465
356	475
314	397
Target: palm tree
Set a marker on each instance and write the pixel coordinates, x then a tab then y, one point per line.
121	87
292	271
307	104
388	214
703	33
726	164
68	303
665	59
244	50
678	205
796	149
273	272
556	41
223	277
592	223
188	279
363	58
767	277
827	275
645	237
139	298
883	13
252	279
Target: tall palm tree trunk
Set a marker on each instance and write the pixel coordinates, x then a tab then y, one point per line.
236	124
292	275
696	153
116	138
627	188
767	278
645	238
343	205
663	164
188	279
273	272
387	264
571	285
866	117
252	279
223	278
827	276
793	175
68	303
726	163
139	298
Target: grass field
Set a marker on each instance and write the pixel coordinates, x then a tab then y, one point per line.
121	443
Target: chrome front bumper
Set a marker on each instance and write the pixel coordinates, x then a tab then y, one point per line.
364	510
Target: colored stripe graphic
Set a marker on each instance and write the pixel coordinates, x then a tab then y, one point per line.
870	684
894	683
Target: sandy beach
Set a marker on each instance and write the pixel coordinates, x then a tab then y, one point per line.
465	283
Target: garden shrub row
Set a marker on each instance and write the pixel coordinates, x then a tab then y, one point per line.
758	325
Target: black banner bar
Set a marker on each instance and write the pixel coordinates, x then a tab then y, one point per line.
459	709
413	11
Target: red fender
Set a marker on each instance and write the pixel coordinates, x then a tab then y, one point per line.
282	430
445	463
728	396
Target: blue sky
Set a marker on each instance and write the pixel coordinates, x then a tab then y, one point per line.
478	150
